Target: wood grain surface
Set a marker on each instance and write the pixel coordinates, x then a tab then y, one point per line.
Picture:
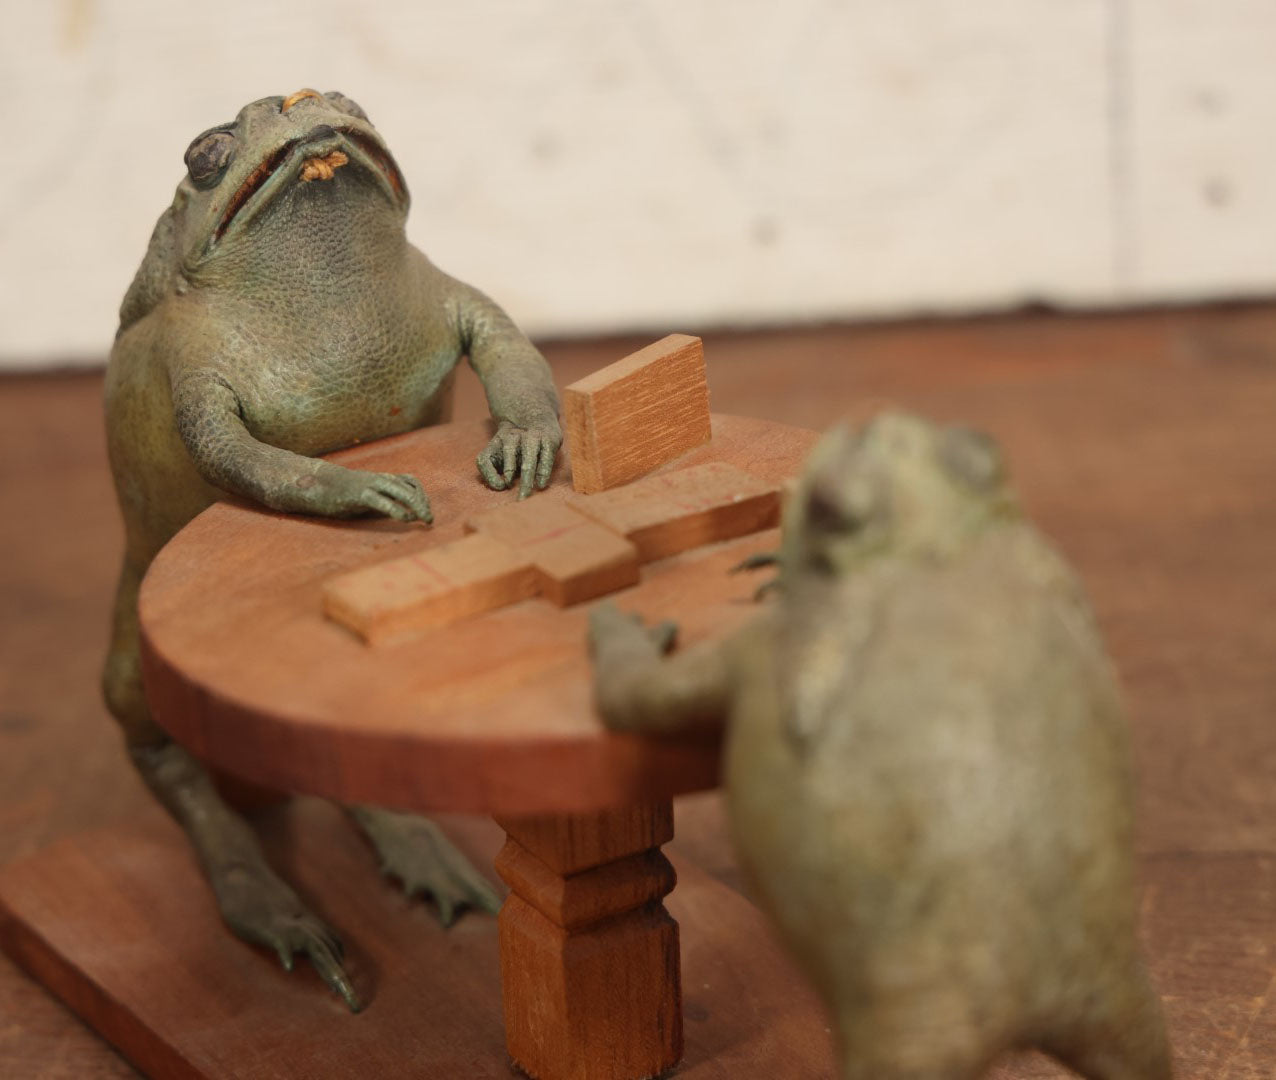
576	559
637	413
428	589
680	509
1143	443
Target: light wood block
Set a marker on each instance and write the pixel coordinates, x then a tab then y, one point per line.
431	588
589	955
635	415
576	559
684	509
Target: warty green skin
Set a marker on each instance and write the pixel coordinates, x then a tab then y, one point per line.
926	767
252	340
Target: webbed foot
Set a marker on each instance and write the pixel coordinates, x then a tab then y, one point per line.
254	901
416	851
258	906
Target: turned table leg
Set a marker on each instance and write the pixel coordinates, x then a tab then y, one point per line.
589	956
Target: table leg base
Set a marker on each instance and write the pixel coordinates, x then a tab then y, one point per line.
589	955
596	982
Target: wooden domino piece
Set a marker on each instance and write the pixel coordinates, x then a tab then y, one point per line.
675	511
576	559
637	414
431	588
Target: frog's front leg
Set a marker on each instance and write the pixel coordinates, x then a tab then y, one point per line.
520	393
638	689
209	417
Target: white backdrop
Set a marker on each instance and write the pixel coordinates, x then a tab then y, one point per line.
677	164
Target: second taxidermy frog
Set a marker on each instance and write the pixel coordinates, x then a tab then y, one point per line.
926	766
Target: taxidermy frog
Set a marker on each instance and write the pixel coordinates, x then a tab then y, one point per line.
279	313
926	766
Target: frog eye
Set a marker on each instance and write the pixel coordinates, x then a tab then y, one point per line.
346	105
209	155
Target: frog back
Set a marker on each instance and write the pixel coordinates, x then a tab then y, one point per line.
156	484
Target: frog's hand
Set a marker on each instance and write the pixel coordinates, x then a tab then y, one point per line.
636	689
526	453
757	561
210	422
519	387
332	491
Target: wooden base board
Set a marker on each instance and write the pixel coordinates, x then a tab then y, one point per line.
120	926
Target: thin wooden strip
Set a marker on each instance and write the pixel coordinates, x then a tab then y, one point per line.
431	588
677	511
576	558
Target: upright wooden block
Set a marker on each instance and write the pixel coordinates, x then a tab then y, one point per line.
589	955
637	414
432	588
676	511
576	559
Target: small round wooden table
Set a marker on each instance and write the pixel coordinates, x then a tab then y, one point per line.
490	715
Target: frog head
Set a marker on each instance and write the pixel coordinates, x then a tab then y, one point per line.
899	486
250	175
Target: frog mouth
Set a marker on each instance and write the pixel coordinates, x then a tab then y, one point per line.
309	159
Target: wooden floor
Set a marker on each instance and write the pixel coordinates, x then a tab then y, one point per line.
1145	444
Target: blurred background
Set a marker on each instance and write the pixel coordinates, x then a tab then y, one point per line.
663	164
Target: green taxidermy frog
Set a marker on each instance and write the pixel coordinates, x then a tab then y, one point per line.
281	313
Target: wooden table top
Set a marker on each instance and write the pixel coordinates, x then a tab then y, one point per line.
491	714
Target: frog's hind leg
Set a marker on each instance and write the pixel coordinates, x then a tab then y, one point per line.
254	901
934	1033
880	1063
414	850
1121	1036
